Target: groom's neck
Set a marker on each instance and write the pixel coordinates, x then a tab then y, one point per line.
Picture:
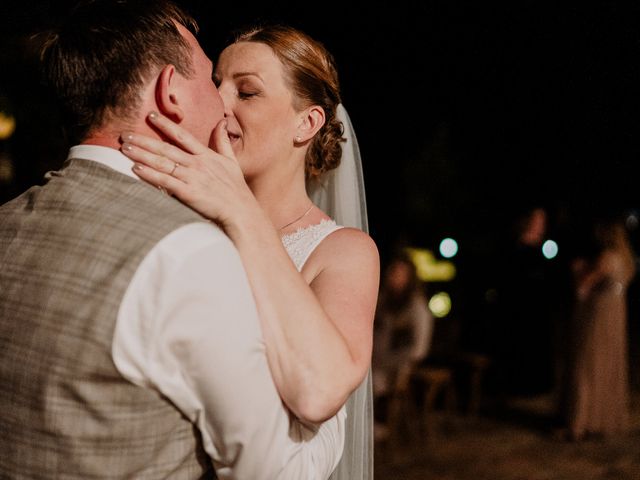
102	140
109	135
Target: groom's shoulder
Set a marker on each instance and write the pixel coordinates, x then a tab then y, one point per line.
166	216
110	197
157	213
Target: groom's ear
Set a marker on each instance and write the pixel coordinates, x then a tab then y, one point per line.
167	94
312	120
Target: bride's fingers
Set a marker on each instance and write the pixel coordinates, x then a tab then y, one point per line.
159	163
158	179
221	142
177	134
156	147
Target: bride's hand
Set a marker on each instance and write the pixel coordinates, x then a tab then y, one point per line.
208	181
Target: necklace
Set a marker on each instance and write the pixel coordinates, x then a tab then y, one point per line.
298	219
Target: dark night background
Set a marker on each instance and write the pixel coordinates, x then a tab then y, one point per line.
466	112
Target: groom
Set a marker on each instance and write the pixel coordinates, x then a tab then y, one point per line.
129	342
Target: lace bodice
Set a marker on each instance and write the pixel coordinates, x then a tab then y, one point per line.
301	243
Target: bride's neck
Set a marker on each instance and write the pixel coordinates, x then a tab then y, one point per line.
281	200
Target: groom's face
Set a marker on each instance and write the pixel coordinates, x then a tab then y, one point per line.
202	103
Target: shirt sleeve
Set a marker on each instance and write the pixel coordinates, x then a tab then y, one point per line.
188	327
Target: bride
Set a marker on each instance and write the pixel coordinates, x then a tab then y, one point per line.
315	281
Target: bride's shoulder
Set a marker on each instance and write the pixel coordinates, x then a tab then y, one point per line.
355	236
349	245
347	254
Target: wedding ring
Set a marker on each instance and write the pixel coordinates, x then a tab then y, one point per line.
163	190
175	167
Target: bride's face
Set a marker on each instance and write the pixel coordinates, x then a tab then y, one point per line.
262	122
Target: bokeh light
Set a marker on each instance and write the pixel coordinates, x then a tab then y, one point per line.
448	248
7	126
549	249
440	304
428	268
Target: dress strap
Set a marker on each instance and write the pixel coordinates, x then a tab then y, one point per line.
301	243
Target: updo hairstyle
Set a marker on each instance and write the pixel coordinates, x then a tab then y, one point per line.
311	74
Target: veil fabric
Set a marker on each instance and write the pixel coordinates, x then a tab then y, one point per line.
340	194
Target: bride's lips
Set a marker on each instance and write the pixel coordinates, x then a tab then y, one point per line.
233	137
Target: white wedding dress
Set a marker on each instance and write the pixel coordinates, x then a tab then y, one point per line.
357	460
301	243
340	194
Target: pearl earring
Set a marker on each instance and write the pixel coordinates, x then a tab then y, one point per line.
298	139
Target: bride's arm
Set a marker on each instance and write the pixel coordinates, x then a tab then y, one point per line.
318	335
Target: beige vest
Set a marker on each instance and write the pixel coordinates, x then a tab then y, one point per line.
68	251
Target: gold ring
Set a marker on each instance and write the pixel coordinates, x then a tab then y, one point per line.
163	190
175	167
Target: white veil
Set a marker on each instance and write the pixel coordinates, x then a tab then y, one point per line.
340	194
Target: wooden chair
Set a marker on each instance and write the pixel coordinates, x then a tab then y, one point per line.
477	365
436	382
412	404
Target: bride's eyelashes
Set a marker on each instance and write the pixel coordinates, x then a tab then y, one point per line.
243	92
247	90
245	95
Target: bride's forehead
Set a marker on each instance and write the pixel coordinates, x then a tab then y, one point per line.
244	55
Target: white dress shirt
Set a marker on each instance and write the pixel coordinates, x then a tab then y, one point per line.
188	328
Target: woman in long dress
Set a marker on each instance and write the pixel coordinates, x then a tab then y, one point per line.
597	369
315	282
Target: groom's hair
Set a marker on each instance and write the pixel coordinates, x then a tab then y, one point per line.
98	59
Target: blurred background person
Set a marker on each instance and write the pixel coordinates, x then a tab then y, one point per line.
526	308
595	398
403	330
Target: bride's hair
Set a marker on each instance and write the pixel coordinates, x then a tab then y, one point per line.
313	77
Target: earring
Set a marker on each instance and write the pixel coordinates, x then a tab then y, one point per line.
297	139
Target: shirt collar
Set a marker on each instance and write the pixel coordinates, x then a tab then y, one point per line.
110	157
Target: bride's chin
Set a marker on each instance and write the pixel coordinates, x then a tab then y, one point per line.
242	163
239	157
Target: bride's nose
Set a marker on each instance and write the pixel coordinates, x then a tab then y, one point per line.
227	99
227	110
